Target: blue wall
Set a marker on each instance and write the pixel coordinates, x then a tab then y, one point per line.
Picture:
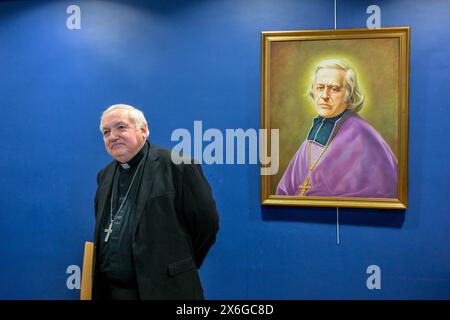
182	61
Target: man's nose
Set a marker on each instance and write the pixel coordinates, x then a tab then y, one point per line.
113	135
325	94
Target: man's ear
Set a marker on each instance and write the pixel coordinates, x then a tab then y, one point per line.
144	130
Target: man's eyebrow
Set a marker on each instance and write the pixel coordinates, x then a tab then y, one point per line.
120	123
333	84
115	125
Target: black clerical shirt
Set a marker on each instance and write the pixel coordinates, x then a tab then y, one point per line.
116	258
323	129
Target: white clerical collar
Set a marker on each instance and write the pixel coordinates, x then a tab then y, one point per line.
125	165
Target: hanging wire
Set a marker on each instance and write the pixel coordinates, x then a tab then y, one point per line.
337	208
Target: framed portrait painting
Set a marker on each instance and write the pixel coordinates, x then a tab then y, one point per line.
339	100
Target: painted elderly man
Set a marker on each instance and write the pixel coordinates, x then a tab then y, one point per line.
343	155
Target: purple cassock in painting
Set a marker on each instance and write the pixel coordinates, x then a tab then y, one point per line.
343	155
356	163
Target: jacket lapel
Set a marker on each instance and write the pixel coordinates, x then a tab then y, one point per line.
103	195
148	177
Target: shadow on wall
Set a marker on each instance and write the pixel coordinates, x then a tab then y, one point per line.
347	216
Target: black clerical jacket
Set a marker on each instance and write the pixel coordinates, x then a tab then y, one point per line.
175	226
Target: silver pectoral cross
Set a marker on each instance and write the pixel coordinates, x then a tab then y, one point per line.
108	231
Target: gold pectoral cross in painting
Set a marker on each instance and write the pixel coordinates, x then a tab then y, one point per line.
305	186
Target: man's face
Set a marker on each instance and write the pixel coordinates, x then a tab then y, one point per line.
329	92
122	139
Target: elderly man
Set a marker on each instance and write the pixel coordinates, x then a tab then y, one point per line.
155	221
343	155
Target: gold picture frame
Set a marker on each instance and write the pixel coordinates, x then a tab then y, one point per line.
289	59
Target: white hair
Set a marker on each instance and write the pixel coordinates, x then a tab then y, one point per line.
353	96
134	113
